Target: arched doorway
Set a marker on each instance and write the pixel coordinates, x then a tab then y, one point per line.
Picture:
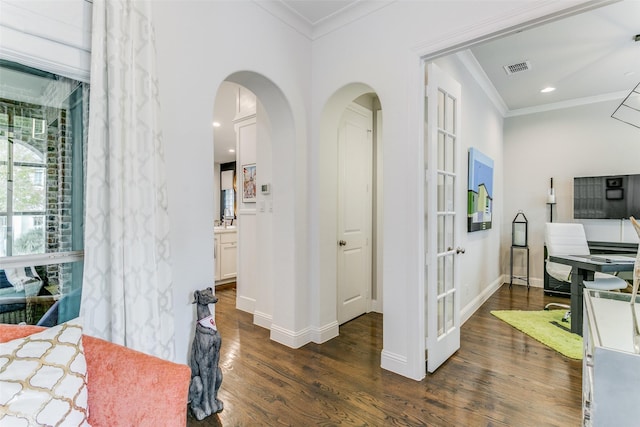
355	96
269	224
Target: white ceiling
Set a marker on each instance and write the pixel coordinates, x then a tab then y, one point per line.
315	12
589	55
586	57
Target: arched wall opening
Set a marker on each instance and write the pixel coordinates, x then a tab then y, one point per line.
327	210
278	271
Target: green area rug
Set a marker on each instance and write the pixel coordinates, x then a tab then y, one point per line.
546	327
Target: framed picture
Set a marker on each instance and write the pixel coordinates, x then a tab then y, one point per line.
480	191
249	183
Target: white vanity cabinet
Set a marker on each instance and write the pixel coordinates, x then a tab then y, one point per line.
225	254
610	367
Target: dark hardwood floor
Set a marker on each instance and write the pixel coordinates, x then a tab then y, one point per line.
499	377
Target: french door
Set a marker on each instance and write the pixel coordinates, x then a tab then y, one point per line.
443	177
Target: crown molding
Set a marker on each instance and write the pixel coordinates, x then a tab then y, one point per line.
347	15
333	22
287	16
613	96
469	60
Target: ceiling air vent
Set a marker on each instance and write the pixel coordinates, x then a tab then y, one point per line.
517	68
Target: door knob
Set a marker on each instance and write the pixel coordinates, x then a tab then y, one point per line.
342	243
460	250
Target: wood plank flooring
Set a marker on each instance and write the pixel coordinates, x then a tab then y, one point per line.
499	377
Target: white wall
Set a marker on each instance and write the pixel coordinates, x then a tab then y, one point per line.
199	45
254	281
216	192
563	144
382	51
264	238
246	135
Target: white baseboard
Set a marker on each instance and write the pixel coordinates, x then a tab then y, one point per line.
246	304
290	338
534	282
225	281
395	363
325	333
376	306
296	339
262	319
475	304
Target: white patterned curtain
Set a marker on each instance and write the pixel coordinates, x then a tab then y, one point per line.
127	290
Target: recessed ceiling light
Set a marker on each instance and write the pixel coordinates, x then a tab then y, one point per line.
548	89
216	124
231	150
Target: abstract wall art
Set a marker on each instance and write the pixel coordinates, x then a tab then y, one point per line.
480	191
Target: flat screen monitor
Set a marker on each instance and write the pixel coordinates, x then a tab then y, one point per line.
606	197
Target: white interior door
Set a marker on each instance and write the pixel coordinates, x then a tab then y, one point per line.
443	212
355	153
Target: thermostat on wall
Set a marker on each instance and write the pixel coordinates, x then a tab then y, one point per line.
265	188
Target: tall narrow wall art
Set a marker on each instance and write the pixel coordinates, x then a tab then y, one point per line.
480	191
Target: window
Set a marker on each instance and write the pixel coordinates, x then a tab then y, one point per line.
227	191
22	167
228	204
42	144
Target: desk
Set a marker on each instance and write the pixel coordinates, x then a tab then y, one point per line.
610	367
583	268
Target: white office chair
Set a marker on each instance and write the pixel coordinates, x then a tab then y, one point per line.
570	239
634	291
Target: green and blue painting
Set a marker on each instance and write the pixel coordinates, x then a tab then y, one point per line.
480	192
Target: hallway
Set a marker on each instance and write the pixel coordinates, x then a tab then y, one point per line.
499	377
